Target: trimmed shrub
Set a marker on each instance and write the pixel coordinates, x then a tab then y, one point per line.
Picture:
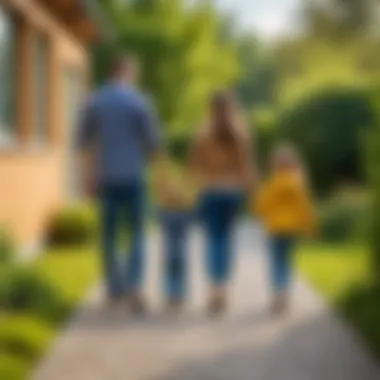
335	223
13	367
74	225
327	128
344	218
24	336
7	247
362	308
4	285
25	289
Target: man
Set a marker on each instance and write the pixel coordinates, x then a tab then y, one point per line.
118	132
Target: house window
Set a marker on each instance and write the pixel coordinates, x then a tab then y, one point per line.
40	51
7	78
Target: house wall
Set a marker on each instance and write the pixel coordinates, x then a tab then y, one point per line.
32	178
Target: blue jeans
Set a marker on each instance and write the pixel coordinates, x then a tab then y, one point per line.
281	261
175	226
218	212
122	206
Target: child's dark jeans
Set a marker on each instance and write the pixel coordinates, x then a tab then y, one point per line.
281	248
175	226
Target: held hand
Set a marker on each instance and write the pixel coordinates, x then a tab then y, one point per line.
251	185
89	187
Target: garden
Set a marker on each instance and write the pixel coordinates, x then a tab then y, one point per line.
37	297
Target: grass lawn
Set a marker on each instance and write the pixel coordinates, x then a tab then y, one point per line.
342	273
24	336
71	271
334	269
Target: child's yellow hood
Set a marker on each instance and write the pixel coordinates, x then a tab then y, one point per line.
285	180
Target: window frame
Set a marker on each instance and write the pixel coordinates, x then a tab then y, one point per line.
9	130
40	131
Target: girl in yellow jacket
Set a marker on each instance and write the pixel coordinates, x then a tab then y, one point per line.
287	213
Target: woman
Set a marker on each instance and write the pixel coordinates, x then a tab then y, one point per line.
220	161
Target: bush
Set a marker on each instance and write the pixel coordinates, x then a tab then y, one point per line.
362	308
75	225
13	367
7	247
25	289
4	285
24	336
327	128
344	218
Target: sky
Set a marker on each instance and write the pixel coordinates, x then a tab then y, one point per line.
270	18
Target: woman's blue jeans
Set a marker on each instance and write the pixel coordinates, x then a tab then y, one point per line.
281	261
218	212
122	207
175	227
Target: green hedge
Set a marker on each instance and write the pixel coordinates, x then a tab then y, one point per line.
13	367
7	247
35	298
327	127
73	225
344	218
362	308
24	336
23	288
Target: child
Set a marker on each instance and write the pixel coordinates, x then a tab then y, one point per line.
175	200
286	210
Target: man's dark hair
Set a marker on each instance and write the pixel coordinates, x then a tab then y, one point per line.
123	62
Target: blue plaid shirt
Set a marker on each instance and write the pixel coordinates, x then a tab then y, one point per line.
121	123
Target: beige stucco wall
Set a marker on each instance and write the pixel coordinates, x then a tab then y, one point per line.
32	178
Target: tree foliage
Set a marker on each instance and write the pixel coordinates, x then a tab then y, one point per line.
340	19
340	47
256	85
185	53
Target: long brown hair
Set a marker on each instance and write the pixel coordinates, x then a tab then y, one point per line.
225	119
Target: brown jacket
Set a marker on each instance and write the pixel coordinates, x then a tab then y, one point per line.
215	163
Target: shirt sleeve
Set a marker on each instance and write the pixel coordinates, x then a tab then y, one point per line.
149	126
86	128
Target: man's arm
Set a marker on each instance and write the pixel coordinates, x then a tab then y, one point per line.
150	130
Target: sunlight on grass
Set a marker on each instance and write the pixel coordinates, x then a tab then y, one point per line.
28	334
70	270
334	269
342	274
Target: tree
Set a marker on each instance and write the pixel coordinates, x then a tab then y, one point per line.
257	82
339	48
337	19
184	52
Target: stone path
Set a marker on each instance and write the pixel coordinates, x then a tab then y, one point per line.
309	344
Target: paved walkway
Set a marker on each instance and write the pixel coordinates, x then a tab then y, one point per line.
310	344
